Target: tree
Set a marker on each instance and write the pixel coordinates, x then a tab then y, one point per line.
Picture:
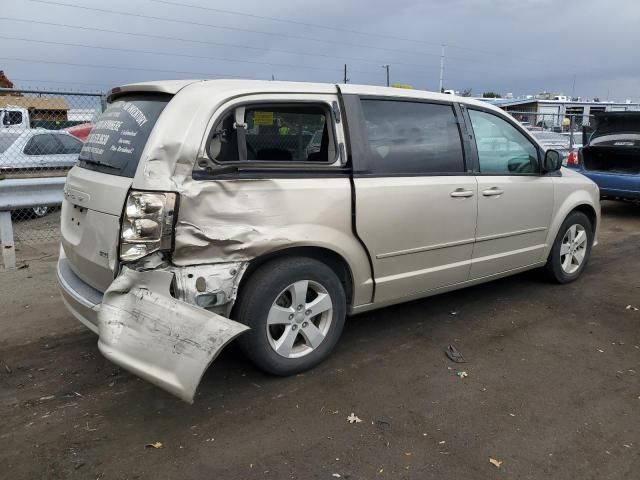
491	95
466	92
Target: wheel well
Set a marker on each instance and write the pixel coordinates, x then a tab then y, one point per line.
589	212
330	258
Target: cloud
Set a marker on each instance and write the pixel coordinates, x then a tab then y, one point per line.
505	46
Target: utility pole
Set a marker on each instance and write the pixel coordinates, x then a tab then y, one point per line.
386	66
441	67
346	80
573	88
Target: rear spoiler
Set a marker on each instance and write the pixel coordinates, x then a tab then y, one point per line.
169	86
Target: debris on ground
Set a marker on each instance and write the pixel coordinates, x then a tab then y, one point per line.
336	475
462	374
453	312
154	445
454	354
353	418
494	462
6	366
631	307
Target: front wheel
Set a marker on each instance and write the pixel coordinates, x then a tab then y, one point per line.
571	249
296	309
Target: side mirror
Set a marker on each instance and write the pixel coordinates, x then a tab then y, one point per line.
552	161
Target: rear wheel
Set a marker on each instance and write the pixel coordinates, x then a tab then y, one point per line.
296	310
571	249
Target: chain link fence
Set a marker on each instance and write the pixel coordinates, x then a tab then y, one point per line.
41	135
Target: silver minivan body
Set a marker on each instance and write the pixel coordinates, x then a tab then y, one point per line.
166	315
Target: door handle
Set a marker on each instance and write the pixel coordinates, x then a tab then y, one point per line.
492	192
461	193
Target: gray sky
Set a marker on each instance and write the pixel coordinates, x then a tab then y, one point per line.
519	46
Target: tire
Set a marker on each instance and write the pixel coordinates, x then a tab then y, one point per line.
39	212
566	267
267	305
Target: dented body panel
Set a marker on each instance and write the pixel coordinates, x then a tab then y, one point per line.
166	341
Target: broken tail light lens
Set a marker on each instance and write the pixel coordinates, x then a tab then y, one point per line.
147	224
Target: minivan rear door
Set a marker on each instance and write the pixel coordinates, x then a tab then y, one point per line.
415	199
96	189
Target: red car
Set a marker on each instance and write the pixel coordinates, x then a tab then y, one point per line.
80	131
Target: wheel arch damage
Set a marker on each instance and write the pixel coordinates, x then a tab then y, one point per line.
169	340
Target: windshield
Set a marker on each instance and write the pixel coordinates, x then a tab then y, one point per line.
120	134
6	140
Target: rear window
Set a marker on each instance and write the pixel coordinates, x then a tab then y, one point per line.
116	141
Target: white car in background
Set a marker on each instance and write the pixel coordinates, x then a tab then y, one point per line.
38	148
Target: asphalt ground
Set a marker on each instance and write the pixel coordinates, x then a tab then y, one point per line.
552	388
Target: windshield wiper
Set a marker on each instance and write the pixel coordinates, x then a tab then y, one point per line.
99	163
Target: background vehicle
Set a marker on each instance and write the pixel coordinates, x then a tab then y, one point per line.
14	118
555	141
611	154
36	148
80	131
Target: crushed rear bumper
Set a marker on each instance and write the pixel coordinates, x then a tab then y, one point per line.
145	330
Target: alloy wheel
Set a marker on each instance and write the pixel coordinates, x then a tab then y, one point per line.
573	248
299	319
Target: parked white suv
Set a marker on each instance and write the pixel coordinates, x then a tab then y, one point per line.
197	213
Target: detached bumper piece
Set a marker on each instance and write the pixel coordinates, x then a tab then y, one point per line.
166	341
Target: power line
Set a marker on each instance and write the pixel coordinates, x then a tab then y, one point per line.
118	67
419	67
344	30
235	29
150	52
205	42
293	22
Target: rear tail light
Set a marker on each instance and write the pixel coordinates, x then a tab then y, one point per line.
147	224
574	158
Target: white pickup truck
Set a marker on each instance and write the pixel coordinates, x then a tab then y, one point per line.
14	118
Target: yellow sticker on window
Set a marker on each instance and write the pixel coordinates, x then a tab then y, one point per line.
263	118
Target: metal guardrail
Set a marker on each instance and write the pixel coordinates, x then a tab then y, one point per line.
21	193
41	135
18	193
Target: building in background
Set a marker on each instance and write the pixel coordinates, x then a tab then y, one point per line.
548	110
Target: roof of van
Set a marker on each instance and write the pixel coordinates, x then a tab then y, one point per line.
269	86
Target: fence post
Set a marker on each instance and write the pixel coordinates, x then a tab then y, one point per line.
6	241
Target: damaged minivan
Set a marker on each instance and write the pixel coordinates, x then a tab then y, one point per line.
202	211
